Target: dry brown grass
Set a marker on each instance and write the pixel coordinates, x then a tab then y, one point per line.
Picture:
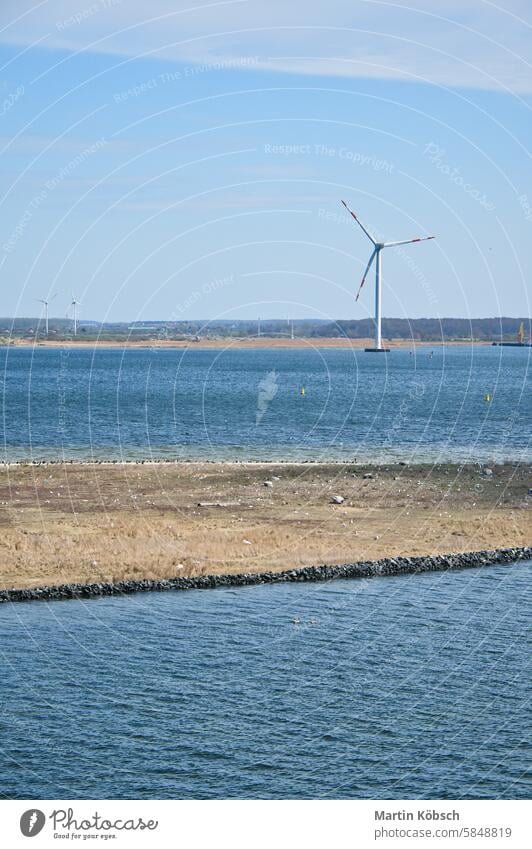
75	522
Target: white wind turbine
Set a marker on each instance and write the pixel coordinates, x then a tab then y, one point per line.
46	302
376	255
75	304
290	323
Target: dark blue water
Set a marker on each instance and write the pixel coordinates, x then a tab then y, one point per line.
407	687
247	404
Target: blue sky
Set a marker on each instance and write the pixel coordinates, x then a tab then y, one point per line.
168	162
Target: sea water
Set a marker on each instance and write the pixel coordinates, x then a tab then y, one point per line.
402	687
251	404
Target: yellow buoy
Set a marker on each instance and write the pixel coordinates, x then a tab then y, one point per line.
302	390
487	397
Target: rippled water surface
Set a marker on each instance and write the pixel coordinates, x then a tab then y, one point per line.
412	686
247	404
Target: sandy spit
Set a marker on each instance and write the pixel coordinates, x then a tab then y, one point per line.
66	523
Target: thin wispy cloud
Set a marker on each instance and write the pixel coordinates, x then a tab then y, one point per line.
473	43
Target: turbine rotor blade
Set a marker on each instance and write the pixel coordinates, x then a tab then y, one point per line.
359	222
408	241
368	266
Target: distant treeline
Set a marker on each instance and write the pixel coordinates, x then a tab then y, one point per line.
431	329
422	329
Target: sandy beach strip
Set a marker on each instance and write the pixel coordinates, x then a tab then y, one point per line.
84	523
310	342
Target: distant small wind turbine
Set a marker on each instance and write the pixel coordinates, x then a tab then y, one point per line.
46	302
376	255
290	323
75	304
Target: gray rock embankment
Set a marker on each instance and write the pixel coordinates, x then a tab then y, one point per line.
368	569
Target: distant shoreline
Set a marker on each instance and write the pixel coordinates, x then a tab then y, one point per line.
241	343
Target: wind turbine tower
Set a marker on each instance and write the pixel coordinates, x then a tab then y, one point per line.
290	323
46	302
376	256
75	304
